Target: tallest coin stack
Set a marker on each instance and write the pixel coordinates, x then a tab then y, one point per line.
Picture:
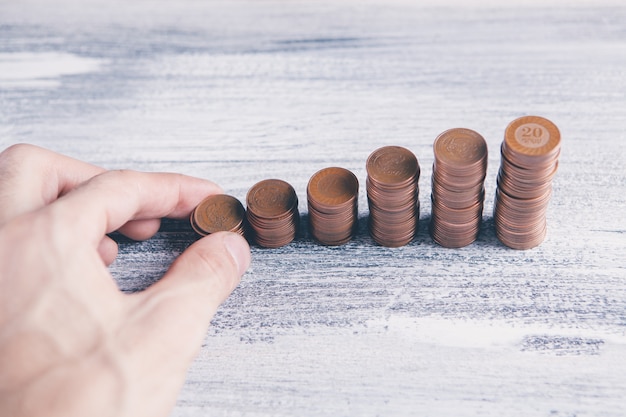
530	153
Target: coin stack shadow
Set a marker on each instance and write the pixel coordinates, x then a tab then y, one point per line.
332	197
272	213
392	195
530	152
219	212
458	189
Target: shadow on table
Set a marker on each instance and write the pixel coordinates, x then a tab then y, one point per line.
486	236
181	234
142	263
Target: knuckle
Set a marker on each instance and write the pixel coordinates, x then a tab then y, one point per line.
120	174
20	153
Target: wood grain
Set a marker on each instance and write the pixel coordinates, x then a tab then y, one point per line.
242	91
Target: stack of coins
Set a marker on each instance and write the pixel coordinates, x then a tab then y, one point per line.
272	213
218	213
530	153
458	192
392	193
332	197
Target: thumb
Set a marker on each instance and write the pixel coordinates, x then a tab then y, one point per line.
210	269
169	319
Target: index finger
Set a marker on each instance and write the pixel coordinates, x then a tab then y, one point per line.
33	177
109	200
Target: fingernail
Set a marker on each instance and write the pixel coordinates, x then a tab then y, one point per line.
239	249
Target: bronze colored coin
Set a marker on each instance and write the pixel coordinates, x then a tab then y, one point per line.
271	198
530	152
457	181
334	230
393	201
392	166
332	197
216	213
460	149
521	191
540	172
531	138
392	195
457	216
332	187
454	234
400	236
521	241
272	213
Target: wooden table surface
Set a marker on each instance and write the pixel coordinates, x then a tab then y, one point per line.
247	90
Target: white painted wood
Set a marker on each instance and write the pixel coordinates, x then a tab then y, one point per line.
242	91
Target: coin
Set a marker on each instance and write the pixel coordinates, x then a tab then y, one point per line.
332	188
219	212
531	140
332	197
458	192
272	213
392	166
529	161
392	195
460	151
271	198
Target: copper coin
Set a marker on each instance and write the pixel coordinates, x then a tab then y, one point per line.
458	182
272	213
393	237
392	166
453	236
521	240
271	198
460	150
392	195
458	192
332	187
332	197
529	153
217	213
530	140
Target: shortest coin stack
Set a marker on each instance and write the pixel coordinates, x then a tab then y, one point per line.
218	213
530	153
272	213
332	197
457	187
392	194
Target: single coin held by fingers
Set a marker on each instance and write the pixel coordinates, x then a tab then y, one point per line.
217	213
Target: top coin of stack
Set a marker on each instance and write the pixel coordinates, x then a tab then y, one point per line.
457	187
332	196
392	193
272	213
216	213
530	153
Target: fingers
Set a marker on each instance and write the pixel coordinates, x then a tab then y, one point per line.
203	276
168	321
140	229
110	200
32	177
107	250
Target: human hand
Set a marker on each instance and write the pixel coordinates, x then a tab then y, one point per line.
72	344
